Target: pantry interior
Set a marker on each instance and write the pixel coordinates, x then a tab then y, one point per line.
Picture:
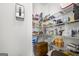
55	30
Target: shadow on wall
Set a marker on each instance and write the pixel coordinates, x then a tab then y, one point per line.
3	54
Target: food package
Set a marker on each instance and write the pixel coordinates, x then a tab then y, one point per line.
41	48
58	42
71	18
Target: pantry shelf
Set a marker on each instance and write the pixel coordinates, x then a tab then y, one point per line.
69	37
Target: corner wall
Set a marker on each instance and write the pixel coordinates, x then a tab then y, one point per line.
15	36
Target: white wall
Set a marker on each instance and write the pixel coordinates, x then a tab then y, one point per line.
15	36
46	8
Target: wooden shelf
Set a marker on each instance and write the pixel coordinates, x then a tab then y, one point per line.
73	22
56	25
63	24
35	34
60	24
69	37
